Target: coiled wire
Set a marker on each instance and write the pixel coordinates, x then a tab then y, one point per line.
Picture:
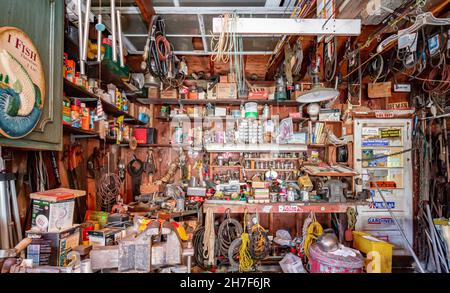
229	230
197	241
259	243
108	188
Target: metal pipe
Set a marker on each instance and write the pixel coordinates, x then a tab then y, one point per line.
99	39
86	30
119	33
80	38
399	227
4	235
433	238
113	30
15	209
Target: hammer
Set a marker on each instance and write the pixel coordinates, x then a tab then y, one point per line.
7	256
13	252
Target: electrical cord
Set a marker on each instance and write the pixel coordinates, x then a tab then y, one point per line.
330	62
163	46
259	243
233	253
197	241
228	231
354	60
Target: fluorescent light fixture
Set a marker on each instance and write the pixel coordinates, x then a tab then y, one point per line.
317	93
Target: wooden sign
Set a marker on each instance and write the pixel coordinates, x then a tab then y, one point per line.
379	90
22	83
383	184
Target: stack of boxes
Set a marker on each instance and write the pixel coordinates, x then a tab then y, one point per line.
261	193
53	232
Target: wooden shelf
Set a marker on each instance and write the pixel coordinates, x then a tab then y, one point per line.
78	131
215	102
217	147
332	174
73	90
267	169
314	145
225	167
271	159
221	206
110	73
116	112
141	145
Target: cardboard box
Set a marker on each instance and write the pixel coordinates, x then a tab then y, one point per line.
330	115
51	248
52	210
153	93
223	79
220	111
105	236
211	94
50	216
169	94
379	90
226	91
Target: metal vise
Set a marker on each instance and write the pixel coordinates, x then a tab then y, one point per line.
154	247
335	190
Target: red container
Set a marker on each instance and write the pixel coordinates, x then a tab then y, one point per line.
326	262
141	135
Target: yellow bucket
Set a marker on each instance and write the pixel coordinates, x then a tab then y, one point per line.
378	252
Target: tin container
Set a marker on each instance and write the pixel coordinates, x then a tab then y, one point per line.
178	135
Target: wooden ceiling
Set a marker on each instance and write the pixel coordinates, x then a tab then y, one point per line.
258	64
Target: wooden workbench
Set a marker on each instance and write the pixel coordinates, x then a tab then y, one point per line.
279	207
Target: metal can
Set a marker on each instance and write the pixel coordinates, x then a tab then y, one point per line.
178	135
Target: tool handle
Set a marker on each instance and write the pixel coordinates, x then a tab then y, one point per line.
22	245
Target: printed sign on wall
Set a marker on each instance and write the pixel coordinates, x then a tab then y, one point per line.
22	83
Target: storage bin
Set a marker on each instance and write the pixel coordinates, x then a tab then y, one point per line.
366	243
328	262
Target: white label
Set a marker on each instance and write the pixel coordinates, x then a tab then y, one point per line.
407	41
288	209
372	131
402	88
266	209
433	44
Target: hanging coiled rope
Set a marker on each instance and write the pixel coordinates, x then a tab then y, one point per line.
228	231
311	231
245	258
259	248
209	238
221	46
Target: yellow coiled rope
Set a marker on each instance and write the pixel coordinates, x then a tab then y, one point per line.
245	259
259	240
313	231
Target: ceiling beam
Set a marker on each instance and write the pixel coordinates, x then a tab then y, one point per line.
194	36
146	9
203	53
289	26
197	10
